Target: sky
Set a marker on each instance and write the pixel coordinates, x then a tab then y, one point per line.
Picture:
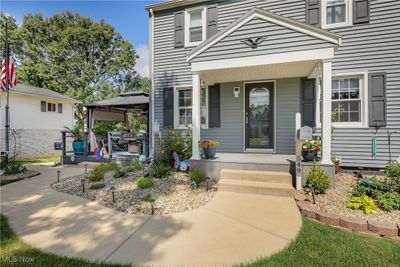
128	18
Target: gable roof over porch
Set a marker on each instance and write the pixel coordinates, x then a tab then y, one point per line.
278	34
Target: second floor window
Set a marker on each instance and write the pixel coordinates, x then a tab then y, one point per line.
195	26
336	13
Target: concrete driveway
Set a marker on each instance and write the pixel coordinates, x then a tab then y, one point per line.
231	229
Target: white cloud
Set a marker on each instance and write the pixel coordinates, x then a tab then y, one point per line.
143	62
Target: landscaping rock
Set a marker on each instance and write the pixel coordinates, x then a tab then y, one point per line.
358	225
307	210
383	229
328	218
300	197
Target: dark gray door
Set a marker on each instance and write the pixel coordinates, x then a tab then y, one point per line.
259	114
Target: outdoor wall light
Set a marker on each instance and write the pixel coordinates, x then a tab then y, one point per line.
112	190
236	91
83	185
58	176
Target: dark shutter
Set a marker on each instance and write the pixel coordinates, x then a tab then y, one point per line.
214	106
212	20
360	11
308	100
377	99
60	108
313	12
168	107
43	106
179	29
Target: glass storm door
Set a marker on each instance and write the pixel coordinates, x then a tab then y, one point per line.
259	125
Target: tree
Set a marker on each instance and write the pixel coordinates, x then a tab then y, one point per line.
75	56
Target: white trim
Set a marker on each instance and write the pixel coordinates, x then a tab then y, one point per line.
316	54
347	22
187	25
273	150
257	13
196	117
151	76
326	131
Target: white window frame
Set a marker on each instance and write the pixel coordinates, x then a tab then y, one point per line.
176	107
363	77
347	22
187	25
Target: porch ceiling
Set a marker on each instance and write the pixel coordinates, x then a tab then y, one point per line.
260	72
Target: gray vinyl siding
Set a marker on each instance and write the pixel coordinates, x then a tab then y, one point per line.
372	47
279	39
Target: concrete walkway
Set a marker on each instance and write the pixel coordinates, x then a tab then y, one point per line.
233	228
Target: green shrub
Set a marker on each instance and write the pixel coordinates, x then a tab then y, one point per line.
143	182
196	175
119	172
364	203
13	167
318	179
392	173
150	198
372	189
135	166
97	186
181	143
160	170
389	201
97	174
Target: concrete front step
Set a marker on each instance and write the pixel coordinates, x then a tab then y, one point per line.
258	176
256	187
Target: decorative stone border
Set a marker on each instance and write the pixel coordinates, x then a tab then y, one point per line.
357	225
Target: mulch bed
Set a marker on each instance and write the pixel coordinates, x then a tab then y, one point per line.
175	193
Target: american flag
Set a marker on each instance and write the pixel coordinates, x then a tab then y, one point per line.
12	79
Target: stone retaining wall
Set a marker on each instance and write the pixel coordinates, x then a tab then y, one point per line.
357	225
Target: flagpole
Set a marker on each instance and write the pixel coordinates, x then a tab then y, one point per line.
7	123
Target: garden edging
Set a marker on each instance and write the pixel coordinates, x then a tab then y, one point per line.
356	225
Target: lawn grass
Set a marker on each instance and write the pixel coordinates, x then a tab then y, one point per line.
13	252
39	160
321	245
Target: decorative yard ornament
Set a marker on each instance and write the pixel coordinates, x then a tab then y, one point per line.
182	166
254	42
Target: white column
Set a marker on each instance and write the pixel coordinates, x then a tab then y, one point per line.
196	122
326	111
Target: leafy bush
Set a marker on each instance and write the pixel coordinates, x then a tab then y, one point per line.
318	179
175	141
160	170
196	175
371	187
135	166
143	182
97	186
119	172
98	172
364	203
389	201
150	198
13	167
392	173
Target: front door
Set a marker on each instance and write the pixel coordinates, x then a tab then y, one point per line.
259	114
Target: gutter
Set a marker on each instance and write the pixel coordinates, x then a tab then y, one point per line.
151	74
172	4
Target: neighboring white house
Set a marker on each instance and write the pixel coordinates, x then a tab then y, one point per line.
37	116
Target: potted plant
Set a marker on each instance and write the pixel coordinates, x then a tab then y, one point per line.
78	145
310	149
209	148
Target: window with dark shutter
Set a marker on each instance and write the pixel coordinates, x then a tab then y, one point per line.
168	107
43	106
214	106
313	12
360	11
308	98
212	20
377	99
179	29
60	108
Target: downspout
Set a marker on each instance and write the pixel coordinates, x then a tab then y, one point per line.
151	74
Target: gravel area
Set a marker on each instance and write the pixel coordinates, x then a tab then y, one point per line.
334	201
175	193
